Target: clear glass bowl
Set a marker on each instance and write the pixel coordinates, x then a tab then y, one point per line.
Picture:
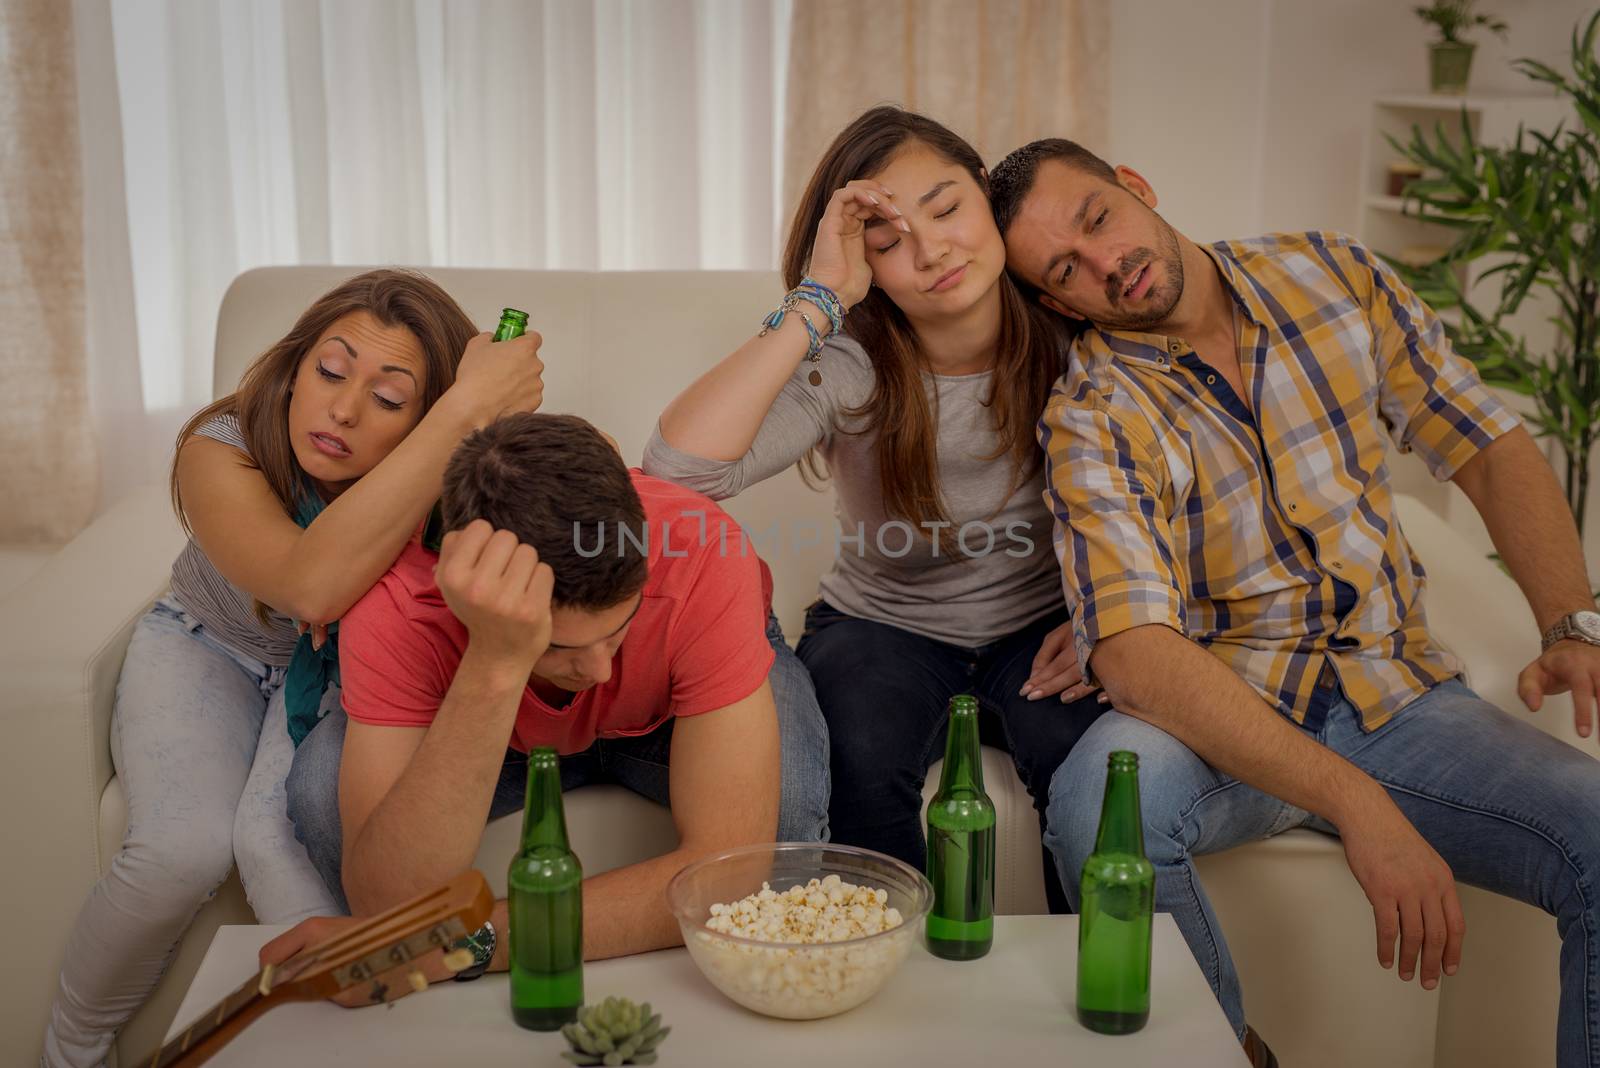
796	981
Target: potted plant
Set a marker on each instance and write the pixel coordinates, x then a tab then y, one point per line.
1535	207
1450	57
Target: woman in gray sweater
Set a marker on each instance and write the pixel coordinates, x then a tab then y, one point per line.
908	362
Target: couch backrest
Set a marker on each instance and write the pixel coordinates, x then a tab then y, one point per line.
617	347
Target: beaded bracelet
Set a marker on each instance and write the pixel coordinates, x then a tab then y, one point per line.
811	292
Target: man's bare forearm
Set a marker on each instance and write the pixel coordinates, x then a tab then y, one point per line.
427	827
1511	485
1157	675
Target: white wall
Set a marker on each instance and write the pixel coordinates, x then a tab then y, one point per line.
1248	115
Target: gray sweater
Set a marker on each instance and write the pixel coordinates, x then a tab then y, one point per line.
1001	577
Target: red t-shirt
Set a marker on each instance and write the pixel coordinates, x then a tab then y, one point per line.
697	643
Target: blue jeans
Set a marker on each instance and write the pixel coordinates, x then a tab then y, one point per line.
885	692
638	763
1509	808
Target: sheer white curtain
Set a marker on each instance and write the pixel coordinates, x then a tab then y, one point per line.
610	135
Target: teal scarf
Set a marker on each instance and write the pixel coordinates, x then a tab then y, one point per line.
313	671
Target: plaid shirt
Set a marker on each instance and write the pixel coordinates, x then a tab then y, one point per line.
1268	538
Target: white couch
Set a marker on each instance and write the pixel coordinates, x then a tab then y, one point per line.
617	346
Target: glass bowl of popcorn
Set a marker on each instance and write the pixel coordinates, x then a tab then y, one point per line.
799	930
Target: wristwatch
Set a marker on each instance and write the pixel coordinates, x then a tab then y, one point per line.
1583	626
481	942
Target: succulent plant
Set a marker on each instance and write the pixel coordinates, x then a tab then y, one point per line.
614	1032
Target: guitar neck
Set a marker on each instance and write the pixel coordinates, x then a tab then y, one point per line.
213	1028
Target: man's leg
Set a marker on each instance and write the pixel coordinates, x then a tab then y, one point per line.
1510	809
313	789
1188	808
803	811
1038	734
883	692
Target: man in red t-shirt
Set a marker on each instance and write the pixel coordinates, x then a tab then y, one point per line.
574	603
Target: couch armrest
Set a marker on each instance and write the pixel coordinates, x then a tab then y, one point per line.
67	629
1478	611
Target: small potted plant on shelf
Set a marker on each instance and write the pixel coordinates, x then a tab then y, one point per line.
1451	55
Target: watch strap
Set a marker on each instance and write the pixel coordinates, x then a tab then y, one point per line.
481	942
1564	628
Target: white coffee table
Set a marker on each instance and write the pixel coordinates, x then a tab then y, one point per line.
1013	1007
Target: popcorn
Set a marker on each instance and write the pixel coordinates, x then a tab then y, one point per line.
796	977
824	910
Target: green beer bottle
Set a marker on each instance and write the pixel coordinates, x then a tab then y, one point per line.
961	845
545	906
1117	906
513	323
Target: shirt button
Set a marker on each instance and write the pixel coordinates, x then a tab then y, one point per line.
1162	360
1338	565
1293	507
1174	346
1211	380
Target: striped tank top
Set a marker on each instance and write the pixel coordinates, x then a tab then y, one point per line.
227	612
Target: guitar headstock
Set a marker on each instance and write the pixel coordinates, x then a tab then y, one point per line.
433	920
357	954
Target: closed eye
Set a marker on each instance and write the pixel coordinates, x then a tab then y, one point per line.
329	375
886	248
386	403
951	210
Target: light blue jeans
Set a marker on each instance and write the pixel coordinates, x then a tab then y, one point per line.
201	748
1509	808
639	763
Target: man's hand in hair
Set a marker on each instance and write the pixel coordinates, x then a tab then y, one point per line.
500	590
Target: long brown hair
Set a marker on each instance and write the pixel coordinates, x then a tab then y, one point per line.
393	297
1028	354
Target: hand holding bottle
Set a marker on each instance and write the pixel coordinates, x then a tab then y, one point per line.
497	378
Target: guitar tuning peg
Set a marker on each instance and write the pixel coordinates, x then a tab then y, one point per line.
419	982
457	959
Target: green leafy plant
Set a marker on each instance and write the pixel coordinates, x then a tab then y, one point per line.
1454	19
1534	206
614	1032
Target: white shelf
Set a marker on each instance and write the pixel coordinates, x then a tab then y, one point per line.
1452	103
1397	205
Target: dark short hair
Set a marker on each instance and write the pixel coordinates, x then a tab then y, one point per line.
1012	178
545	478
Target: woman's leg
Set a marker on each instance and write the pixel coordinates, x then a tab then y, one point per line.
183	735
1039	734
279	879
883	693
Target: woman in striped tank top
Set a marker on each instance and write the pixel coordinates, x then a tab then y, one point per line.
298	491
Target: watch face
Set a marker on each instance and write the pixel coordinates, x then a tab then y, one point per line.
1587	624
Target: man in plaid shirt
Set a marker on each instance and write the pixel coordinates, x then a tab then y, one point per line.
1241	588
